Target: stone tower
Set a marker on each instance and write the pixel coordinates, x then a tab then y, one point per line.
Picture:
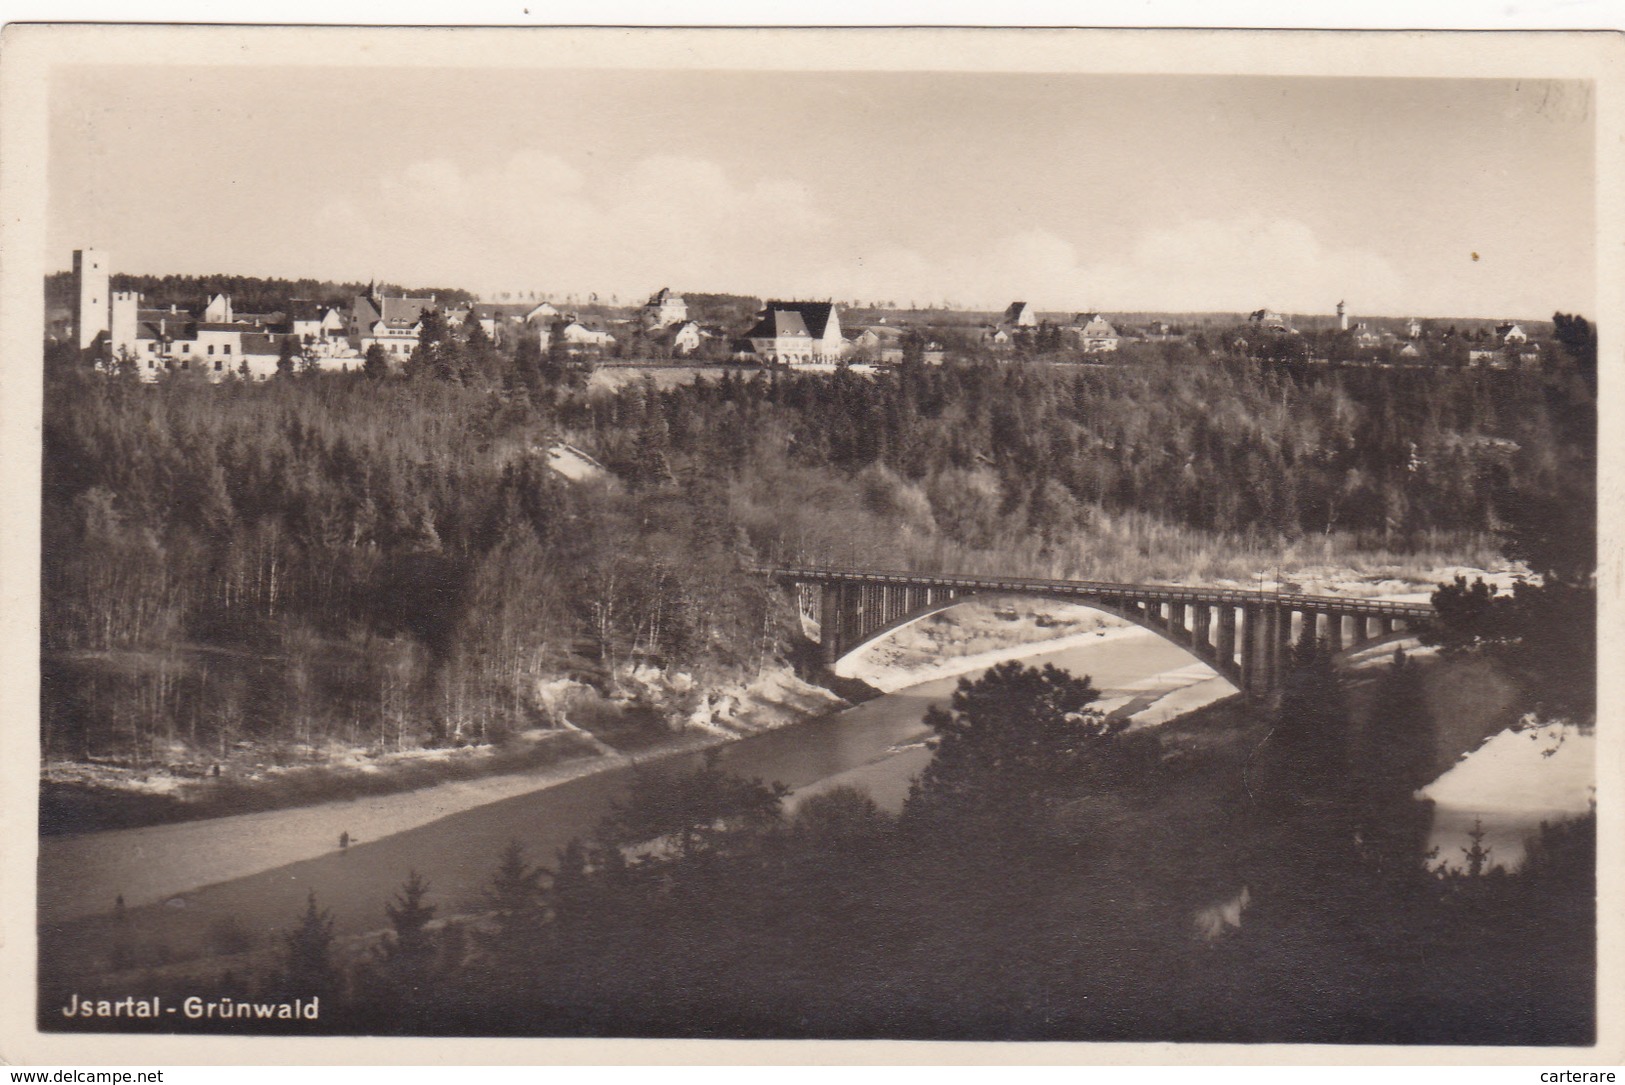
126	312
1342	318
91	283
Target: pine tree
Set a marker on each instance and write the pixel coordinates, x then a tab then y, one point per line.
572	883
285	356
307	965
405	959
1304	766
376	365
409	917
1012	744
515	896
1396	759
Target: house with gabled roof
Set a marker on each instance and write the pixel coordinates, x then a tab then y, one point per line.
663	309
1020	315
392	323
797	333
1269	320
680	339
500	318
579	334
880	342
1511	334
1094	333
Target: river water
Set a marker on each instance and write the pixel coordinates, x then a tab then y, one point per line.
878	746
1511	784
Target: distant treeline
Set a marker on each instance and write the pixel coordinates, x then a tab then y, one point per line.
248	293
991	456
390	561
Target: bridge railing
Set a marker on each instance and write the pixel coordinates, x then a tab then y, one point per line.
1172	593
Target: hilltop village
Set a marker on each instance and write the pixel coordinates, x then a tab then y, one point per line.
379	327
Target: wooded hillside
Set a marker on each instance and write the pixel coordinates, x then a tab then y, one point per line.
391	562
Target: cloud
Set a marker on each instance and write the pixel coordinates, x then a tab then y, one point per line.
537	221
1253	262
1204	264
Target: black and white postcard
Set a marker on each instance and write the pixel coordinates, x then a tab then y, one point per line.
542	536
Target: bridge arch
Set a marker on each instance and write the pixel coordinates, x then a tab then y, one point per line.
1209	658
1245	636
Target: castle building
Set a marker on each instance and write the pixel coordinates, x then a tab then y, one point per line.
92	292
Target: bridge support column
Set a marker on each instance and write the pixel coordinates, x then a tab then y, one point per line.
830	617
1385	626
1202	625
1334	631
1226	647
1283	644
1269	648
1250	643
1177	619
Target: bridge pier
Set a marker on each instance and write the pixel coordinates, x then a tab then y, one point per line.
1249	649
830	614
1226	647
1270	629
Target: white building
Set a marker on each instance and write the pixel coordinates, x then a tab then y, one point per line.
664	309
1095	333
392	323
574	333
1020	315
681	339
798	333
1511	334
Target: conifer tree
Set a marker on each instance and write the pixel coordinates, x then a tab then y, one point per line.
1304	766
307	966
376	364
405	959
515	896
1396	759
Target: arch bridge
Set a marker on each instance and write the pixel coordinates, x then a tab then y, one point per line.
1243	635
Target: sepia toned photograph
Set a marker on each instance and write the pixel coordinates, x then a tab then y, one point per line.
815	535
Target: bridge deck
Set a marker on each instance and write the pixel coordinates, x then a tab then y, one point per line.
1171	593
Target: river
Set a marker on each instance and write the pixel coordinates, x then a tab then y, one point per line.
1510	784
878	746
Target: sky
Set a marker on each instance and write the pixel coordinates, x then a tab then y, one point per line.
1074	192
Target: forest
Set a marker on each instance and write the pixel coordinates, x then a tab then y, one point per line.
387	561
